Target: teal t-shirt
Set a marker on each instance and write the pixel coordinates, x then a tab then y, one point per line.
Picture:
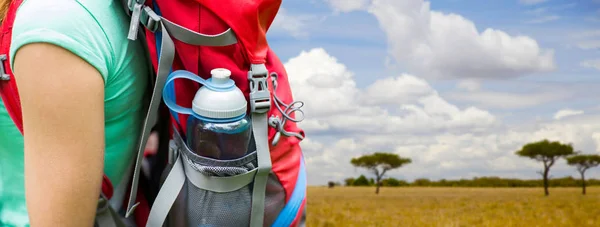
96	31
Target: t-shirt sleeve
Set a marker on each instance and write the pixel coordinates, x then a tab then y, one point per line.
64	23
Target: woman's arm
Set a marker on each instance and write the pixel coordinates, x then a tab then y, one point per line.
62	99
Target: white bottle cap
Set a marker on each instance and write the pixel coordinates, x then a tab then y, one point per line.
221	102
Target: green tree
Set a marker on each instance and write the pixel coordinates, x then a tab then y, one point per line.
393	182
422	182
546	152
583	162
361	181
379	163
349	181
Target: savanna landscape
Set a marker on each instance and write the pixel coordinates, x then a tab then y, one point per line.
452	207
484	201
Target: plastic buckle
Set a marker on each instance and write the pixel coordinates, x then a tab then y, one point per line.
3	74
149	19
260	97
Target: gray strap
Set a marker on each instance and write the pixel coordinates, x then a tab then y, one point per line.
136	7
167	195
106	215
164	65
194	38
260	107
218	184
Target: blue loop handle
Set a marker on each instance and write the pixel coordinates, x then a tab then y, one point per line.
183	74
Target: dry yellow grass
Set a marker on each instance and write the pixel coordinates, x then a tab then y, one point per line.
527	207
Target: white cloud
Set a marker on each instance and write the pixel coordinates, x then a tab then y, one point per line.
587	39
593	63
295	25
397	90
506	100
596	138
589	44
348	5
567	113
469	85
587	34
531	2
318	77
433	44
336	104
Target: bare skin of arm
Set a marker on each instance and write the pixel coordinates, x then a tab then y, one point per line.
62	99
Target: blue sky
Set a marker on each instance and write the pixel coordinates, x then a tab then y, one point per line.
535	75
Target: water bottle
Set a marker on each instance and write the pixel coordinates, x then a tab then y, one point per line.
217	126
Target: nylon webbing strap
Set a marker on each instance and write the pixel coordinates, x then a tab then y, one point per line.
136	10
191	37
217	184
167	195
165	61
260	103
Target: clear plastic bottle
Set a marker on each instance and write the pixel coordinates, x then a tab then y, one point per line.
223	141
219	127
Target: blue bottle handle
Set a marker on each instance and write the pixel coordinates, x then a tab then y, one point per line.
183	74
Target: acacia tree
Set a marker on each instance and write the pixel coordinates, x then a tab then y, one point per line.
546	152
379	163
583	162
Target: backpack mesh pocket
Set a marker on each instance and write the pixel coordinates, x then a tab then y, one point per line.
199	207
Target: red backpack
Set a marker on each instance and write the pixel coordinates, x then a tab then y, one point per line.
197	36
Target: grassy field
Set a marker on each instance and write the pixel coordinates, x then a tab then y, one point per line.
359	206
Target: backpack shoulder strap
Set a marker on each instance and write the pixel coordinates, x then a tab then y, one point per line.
141	14
8	86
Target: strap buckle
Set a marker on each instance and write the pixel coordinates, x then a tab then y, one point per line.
260	98
3	74
149	19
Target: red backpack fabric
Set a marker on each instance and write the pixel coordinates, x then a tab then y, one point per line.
8	86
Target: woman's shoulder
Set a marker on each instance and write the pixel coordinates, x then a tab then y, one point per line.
95	30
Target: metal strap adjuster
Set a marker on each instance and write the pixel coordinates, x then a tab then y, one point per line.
3	74
260	97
